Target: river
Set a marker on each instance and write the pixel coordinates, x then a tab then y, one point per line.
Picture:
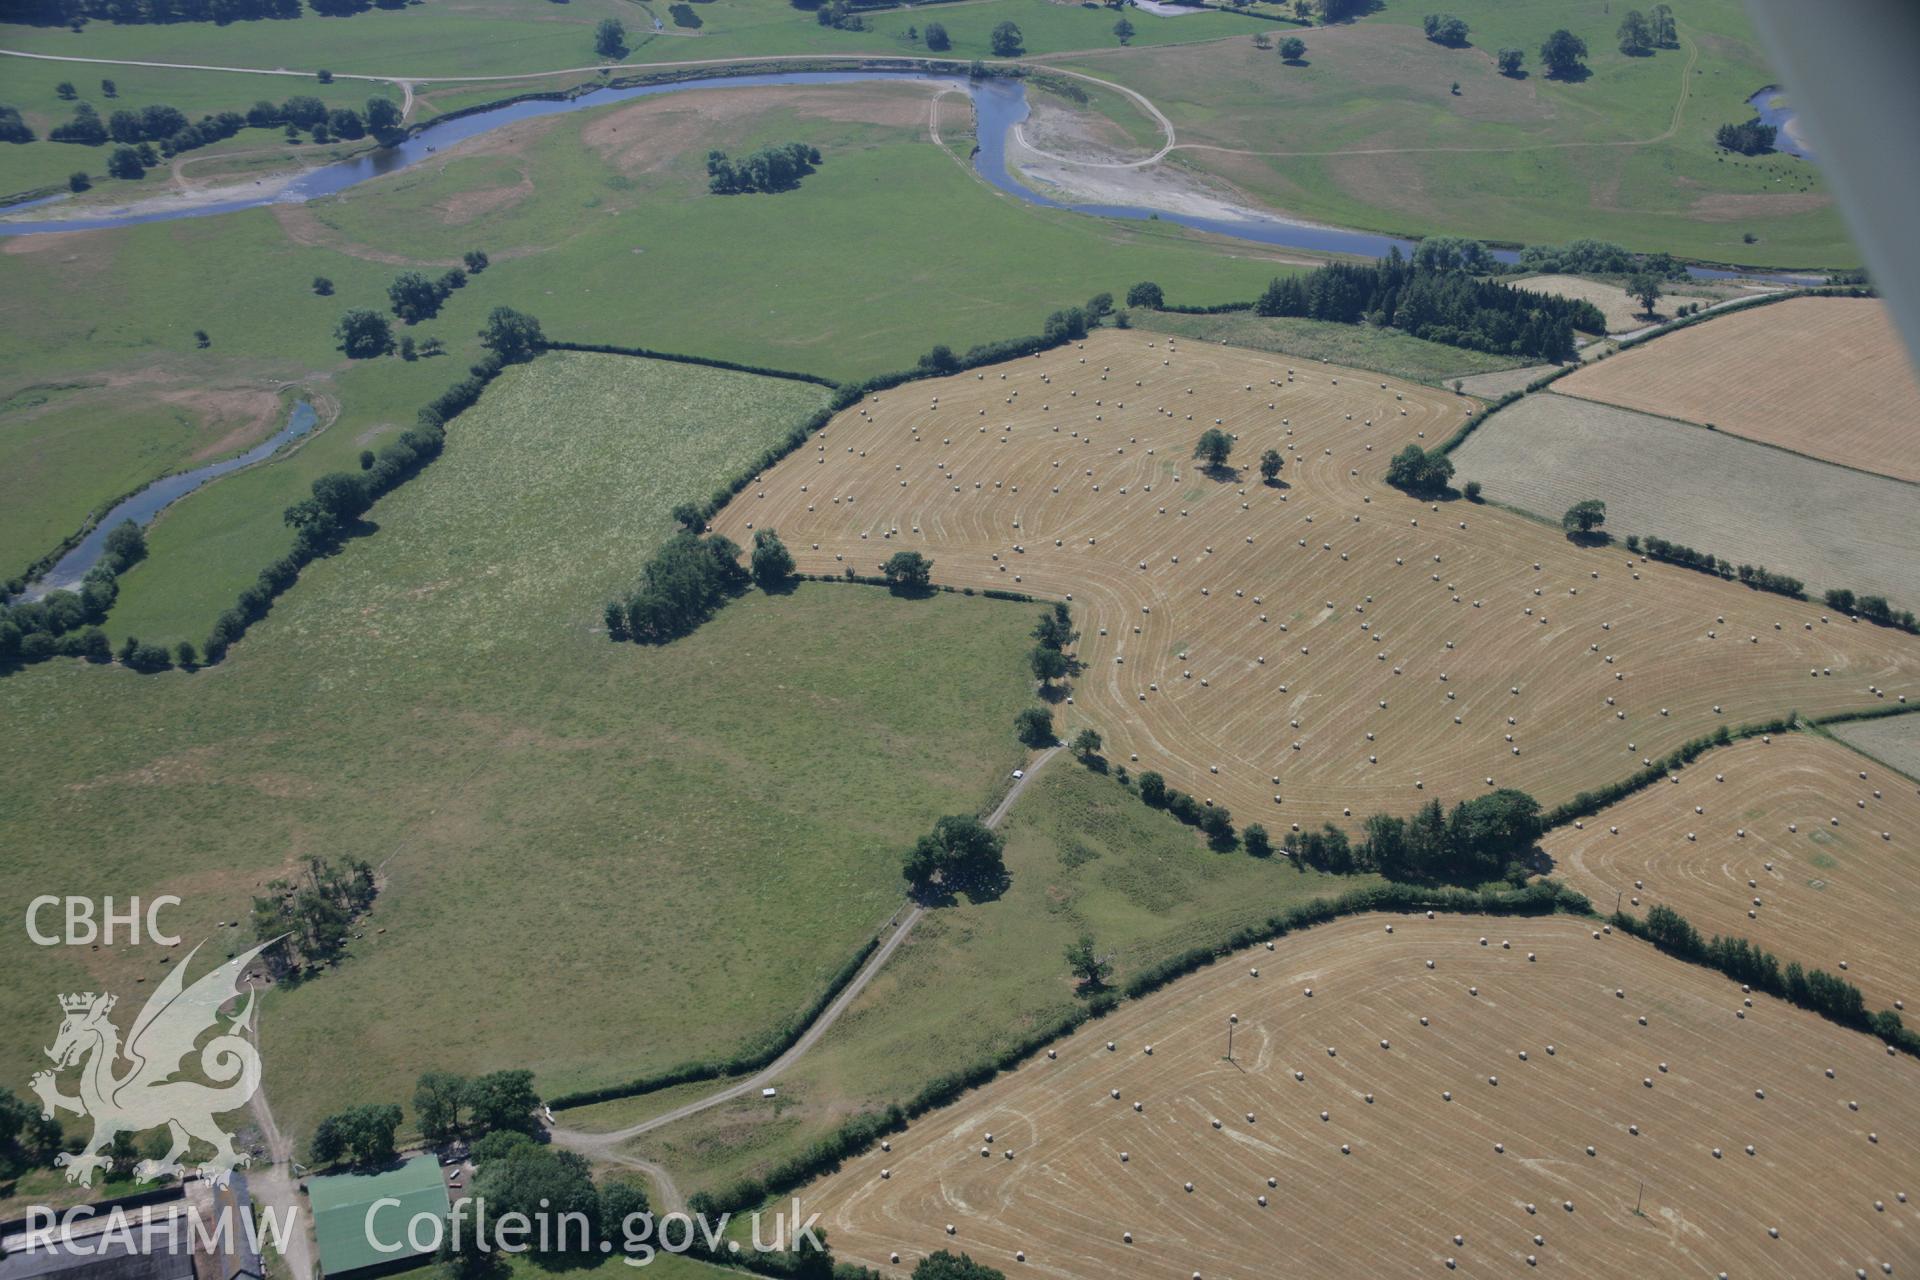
142	507
999	103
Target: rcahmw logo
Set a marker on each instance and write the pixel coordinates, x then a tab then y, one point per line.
130	1086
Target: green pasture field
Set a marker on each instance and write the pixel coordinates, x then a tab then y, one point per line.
1361	346
29	86
1371	135
891	247
502	37
111	315
1085	856
597	859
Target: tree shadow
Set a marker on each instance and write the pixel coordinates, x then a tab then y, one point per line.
1520	73
1223	472
784	587
1275	483
1572	75
1296	62
1054	693
1589	537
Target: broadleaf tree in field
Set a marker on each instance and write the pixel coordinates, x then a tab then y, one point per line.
961	852
363	334
1563	53
772	562
1006	41
1583	517
610	38
1271	463
512	335
1293	49
1636	34
1511	61
1645	286
907	571
1085	963
1214	447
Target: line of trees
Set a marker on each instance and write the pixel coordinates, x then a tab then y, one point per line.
67	623
1759	577
510	337
770	169
1816	990
1214	821
168	129
1873	608
1598	258
1587	803
1451	306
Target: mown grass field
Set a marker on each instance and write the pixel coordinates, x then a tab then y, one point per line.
1359	346
597	859
1368	132
600	224
1826	377
1086	856
1744	502
1894	742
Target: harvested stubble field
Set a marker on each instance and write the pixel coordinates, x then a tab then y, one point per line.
1797	843
1315	651
1827	377
1739	500
1409	1092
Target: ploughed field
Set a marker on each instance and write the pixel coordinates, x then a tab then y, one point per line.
1513	1096
1827	377
1797	843
1317	650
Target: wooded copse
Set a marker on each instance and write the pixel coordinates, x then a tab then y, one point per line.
767	170
1453	307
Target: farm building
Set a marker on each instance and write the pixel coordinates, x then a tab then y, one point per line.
349	1240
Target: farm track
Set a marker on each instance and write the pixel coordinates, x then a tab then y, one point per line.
1471	1092
1803	846
606	1146
1368	651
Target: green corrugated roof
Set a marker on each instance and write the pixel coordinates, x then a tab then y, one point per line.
340	1202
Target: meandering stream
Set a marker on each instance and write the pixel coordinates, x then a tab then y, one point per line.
142	507
999	104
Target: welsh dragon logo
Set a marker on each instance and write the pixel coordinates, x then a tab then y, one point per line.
149	1094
